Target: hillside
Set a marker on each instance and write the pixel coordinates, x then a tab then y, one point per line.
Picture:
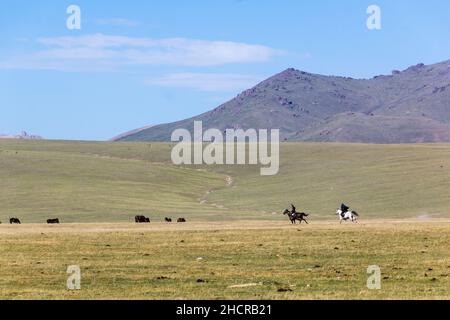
102	182
407	106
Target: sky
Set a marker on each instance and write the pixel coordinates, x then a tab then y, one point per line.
137	63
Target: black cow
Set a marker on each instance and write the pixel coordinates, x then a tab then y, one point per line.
14	221
168	220
53	221
141	219
181	220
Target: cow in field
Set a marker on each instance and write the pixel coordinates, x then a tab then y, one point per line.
53	221
14	221
169	220
181	220
141	219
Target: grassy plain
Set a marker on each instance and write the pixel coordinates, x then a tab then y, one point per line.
227	260
236	244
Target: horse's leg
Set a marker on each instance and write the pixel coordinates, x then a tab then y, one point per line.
305	221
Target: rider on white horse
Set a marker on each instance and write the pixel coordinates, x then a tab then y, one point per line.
345	214
344	210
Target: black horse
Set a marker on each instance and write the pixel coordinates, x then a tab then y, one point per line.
296	216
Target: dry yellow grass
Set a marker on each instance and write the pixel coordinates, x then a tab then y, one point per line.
236	260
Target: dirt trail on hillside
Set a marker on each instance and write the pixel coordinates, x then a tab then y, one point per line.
204	199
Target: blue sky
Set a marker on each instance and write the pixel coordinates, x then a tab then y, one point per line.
135	63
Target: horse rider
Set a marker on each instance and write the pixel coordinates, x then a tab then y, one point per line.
294	210
344	210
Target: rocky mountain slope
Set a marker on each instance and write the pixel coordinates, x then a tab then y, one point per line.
409	106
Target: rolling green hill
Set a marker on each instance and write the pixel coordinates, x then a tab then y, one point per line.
107	182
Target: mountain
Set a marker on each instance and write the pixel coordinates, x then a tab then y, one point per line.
129	133
409	106
23	135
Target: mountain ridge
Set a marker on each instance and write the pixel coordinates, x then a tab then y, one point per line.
409	106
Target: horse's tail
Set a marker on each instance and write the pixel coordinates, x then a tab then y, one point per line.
355	213
306	215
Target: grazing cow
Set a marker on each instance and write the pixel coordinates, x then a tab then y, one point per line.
181	220
141	219
168	220
14	221
53	221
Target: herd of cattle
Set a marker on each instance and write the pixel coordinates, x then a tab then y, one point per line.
144	219
137	219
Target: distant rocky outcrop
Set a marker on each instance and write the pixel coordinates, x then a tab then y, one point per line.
23	135
408	106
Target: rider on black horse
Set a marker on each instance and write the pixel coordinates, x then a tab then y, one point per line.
294	210
344	210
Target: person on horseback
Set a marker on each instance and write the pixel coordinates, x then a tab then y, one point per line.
294	210
295	216
344	210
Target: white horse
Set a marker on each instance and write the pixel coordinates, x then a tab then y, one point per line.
349	215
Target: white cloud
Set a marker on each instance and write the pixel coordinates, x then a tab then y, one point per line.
85	52
207	81
98	40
